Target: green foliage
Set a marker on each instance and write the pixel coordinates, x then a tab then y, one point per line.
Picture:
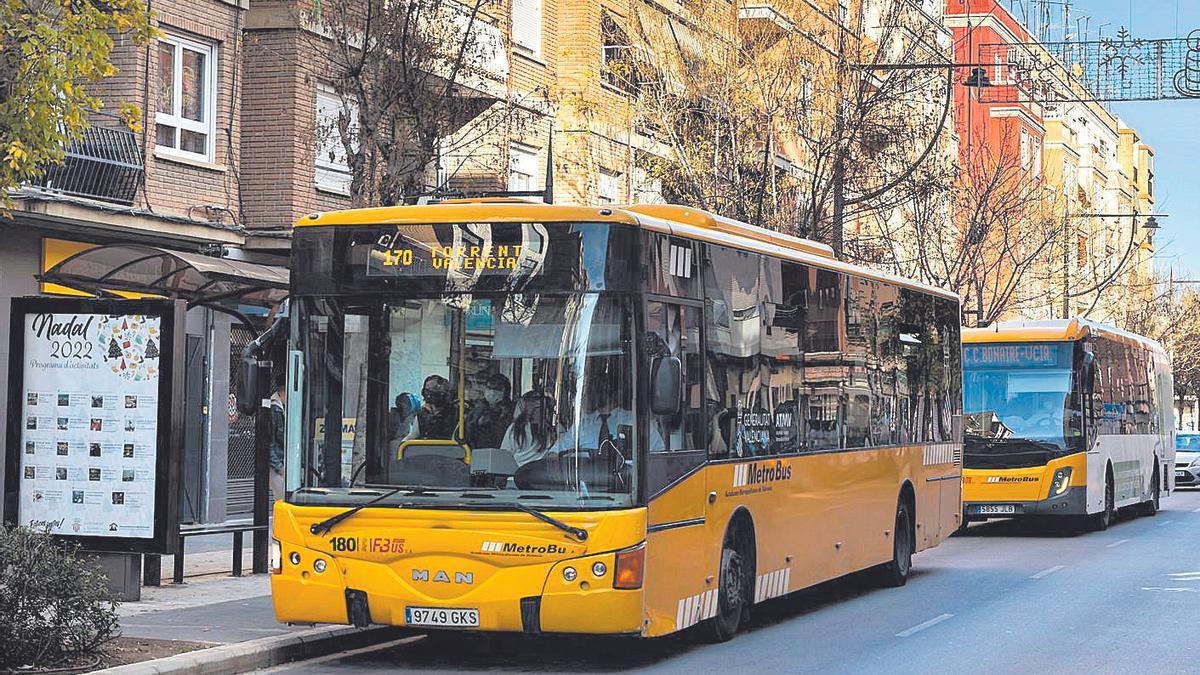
50	51
54	604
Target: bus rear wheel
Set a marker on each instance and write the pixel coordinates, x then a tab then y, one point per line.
895	573
1150	506
732	593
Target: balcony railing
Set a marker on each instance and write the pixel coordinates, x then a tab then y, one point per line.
105	163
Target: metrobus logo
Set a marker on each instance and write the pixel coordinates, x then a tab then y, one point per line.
757	473
1013	479
530	549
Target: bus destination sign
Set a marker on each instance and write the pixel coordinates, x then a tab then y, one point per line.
468	259
458	251
1033	355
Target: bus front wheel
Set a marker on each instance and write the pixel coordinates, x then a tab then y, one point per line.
733	592
1100	521
1150	506
895	573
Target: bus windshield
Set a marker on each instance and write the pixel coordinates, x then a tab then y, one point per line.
479	398
1019	405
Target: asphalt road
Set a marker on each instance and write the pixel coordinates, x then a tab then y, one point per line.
1000	599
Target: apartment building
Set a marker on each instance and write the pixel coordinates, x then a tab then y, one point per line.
1097	174
240	137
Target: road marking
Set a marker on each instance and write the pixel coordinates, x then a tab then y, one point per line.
1047	572
1164	522
1185	576
1195	510
922	626
1117	543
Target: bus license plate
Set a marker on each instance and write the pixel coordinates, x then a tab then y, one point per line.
441	617
995	508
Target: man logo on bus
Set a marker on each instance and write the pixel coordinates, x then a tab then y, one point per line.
440	577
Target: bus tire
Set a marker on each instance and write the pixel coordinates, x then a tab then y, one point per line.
1100	521
894	574
1150	506
734	582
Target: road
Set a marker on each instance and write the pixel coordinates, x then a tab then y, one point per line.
1000	599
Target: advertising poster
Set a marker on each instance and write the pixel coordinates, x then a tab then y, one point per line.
90	453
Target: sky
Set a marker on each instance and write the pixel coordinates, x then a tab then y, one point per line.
1172	128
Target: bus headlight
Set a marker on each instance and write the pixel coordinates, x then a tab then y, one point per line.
276	556
1062	481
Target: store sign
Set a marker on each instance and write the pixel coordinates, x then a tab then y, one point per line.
91	445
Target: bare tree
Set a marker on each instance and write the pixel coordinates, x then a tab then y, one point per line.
998	250
797	125
418	85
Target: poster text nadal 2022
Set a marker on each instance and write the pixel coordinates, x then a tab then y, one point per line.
89	444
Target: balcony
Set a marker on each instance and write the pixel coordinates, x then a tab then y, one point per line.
105	164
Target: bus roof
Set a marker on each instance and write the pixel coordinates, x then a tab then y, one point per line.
1056	330
680	221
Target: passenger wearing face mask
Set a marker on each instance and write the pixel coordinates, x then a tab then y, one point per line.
489	417
437	418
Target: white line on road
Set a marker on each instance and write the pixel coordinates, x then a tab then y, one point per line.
1195	510
1046	572
1164	522
1117	543
922	626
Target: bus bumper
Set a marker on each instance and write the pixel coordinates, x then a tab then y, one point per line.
1072	503
535	598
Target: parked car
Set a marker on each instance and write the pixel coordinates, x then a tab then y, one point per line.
1187	459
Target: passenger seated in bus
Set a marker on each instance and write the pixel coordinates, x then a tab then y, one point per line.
489	417
437	418
531	438
599	429
402	417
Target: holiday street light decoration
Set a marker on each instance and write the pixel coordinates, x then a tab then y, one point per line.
1118	68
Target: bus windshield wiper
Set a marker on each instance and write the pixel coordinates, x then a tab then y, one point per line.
577	532
326	525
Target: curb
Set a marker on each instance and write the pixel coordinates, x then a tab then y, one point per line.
241	657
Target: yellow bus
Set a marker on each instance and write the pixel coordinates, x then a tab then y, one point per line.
1065	419
628	420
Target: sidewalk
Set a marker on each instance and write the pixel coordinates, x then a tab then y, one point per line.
214	609
230	618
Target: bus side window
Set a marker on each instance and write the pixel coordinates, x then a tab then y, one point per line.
675	442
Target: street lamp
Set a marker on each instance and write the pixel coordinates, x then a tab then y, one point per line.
1150	224
978	79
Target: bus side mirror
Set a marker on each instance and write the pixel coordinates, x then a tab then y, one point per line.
249	394
666	385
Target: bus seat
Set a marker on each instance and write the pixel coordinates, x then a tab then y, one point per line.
435	470
493	461
448	451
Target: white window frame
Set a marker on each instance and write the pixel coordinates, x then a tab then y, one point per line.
527	15
522	167
177	120
329	175
608	182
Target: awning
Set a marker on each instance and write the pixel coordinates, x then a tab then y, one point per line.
198	279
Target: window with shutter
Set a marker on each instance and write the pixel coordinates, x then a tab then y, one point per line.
332	164
527	26
522	168
609	187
